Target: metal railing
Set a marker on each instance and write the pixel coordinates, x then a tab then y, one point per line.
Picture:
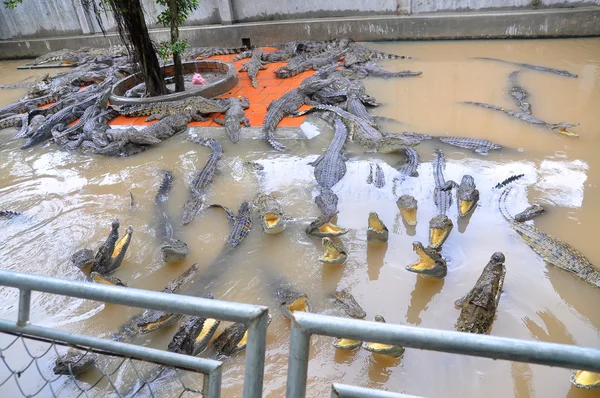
256	317
304	325
345	391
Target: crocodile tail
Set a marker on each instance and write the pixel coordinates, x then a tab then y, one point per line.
8	214
254	81
508	181
165	187
274	143
502	204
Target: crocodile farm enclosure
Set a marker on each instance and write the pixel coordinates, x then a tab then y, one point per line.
69	192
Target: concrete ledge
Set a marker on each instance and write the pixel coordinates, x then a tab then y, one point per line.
548	23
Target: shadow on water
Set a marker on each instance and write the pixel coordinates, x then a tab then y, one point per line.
375	257
425	290
463	222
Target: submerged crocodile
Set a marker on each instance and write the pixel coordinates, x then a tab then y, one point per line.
530	213
408	209
552	250
388	350
467	196
195	106
254	65
234	116
430	263
377	178
348	303
561	128
201	181
560	72
109	256
270	213
377	232
518	93
479	306
479	146
334	253
288	104
330	167
241	223
172	249
440	226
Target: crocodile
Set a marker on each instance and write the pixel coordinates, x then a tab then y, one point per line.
518	93
122	142
25	106
172	249
370	69
325	226
201	181
194	53
354	104
479	146
64	116
359	54
233	339
253	66
377	232
530	213
561	128
377	178
327	202
234	116
8	214
560	72
309	61
194	334
21	121
33	125
60	131
242	223
196	106
552	250
334	253
479	306
270	213
430	263
106	280
367	134
467	196
440	226
63	56
408	168
388	350
330	167
585	379
408	209
288	104
74	363
348	303
290	300
94	131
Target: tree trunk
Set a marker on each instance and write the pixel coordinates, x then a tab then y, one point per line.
135	24
179	84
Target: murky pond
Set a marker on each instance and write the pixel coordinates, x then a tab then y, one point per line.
70	200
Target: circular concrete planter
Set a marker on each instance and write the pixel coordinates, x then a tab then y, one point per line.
213	89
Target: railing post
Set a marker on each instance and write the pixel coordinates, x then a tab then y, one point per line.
211	387
255	356
24	306
298	362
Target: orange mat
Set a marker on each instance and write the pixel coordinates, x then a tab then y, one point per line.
270	88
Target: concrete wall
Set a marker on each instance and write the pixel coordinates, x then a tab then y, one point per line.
51	18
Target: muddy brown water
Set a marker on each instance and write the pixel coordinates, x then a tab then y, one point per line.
70	200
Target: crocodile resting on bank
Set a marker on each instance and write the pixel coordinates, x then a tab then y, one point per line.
234	116
109	256
479	306
195	106
552	250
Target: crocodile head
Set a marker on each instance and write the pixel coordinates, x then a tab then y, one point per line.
468	196
233	339
349	304
194	335
106	280
563	128
82	258
529	213
334	253
291	300
430	263
388	350
377	232
151	320
346	344
408	209
74	363
322	228
244	102
273	223
174	250
117	256
439	229
586	379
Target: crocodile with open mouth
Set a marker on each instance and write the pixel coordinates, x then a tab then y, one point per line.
585	379
334	253
270	213
106	280
109	256
479	306
233	339
440	226
430	263
408	209
561	128
467	196
388	350
377	232
325	226
348	303
172	249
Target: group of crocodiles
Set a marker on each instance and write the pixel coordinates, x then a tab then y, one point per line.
335	91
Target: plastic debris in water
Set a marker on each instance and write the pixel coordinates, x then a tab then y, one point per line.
198	79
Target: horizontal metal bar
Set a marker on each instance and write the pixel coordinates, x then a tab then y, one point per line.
345	391
167	358
177	303
551	354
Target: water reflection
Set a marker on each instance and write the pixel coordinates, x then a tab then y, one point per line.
375	257
425	290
